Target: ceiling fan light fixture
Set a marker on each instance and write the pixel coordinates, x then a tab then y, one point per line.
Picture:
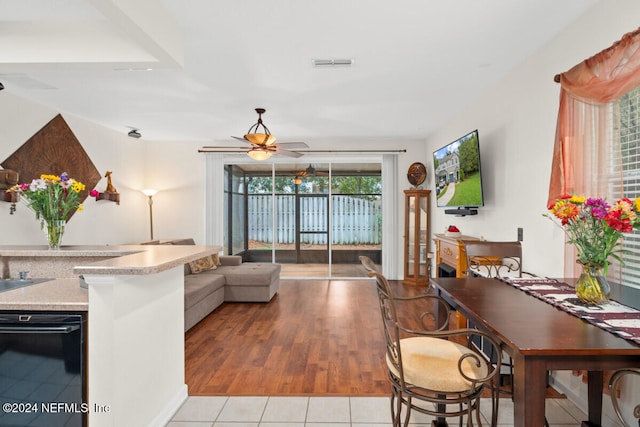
259	154
260	138
259	134
264	144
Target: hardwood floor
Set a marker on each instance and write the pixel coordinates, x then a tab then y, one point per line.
316	337
338	271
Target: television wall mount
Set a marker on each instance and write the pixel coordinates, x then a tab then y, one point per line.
461	211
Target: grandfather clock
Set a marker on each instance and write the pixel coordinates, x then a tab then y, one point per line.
416	237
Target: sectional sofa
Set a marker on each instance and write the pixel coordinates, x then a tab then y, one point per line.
210	281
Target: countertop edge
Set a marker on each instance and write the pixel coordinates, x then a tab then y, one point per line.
149	259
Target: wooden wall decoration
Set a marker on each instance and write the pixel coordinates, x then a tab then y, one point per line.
54	149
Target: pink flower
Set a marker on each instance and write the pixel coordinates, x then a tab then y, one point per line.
94	193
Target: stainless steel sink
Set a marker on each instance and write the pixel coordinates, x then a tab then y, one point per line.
8	284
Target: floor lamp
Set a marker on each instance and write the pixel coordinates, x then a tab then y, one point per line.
149	192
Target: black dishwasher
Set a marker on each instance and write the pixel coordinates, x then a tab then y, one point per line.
43	369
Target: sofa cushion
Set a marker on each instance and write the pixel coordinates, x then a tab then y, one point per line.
216	259
230	260
250	274
150	242
187	241
202	264
198	286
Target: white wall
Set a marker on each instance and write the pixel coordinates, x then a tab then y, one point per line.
516	122
176	170
101	222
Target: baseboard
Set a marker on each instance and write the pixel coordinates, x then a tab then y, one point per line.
168	412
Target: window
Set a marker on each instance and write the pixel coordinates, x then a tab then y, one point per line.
630	147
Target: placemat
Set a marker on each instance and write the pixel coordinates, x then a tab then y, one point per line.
614	317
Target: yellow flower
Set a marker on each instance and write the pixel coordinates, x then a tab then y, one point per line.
54	178
578	199
77	186
636	203
80	207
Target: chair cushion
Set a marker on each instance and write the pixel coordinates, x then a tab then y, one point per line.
432	363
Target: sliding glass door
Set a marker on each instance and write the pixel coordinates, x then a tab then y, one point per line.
315	219
356	220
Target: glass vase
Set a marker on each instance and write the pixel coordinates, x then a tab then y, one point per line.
592	286
55	230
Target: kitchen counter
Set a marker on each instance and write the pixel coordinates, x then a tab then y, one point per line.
72	261
135	304
65	294
54	295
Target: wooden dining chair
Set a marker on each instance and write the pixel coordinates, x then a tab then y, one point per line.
614	384
493	259
426	361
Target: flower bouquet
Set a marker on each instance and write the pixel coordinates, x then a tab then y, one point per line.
52	198
596	229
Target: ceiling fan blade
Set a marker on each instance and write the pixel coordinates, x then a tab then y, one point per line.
241	139
289	145
287	153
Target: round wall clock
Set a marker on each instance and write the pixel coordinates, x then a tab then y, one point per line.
416	174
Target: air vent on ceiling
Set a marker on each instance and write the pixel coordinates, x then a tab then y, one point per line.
330	63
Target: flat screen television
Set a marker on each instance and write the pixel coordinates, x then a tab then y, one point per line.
458	176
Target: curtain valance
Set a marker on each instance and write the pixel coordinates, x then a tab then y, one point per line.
585	129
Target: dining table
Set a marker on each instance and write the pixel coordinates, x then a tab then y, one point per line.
539	337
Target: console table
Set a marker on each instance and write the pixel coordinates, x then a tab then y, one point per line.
450	251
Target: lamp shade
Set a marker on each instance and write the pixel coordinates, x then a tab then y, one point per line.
260	138
258	154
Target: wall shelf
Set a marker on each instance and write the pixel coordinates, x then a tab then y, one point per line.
112	197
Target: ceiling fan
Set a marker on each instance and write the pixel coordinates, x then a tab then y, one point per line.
264	144
309	171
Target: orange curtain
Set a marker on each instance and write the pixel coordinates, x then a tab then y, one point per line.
585	130
586	154
584	159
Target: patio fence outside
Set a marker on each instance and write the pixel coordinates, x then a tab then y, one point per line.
354	220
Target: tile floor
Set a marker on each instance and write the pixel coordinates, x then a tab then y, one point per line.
220	411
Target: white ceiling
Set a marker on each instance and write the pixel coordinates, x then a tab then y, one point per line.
196	69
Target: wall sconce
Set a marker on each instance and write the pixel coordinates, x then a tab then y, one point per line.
150	192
